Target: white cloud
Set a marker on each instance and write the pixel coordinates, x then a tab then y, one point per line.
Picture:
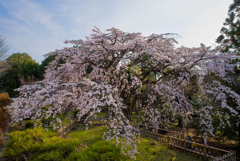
32	14
22	38
37	27
207	27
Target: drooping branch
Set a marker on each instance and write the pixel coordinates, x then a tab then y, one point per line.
120	65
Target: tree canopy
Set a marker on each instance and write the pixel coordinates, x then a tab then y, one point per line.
112	69
17	59
23	70
43	65
22	67
230	38
231	30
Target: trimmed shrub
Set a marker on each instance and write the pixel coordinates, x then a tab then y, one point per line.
29	124
1	138
4	101
3	120
4	95
102	150
46	121
38	144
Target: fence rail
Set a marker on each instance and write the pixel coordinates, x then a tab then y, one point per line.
173	138
178	140
94	121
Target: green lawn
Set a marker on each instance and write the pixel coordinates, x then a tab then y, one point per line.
62	117
148	149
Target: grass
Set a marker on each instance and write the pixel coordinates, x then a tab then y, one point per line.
101	114
38	144
90	136
50	128
148	149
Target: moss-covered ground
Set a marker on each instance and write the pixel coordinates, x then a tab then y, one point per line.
148	149
46	145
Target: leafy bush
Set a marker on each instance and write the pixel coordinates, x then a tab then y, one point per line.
4	102
38	144
46	121
52	155
29	124
74	128
3	120
3	117
102	150
75	113
1	138
4	95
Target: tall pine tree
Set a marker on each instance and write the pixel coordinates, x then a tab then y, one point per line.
230	36
230	33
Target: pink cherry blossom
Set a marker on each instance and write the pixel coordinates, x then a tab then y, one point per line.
107	56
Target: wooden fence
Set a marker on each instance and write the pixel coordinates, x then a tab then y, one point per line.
94	121
173	138
179	140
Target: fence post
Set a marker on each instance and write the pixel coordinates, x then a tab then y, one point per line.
155	132
185	143
167	138
60	128
205	142
235	157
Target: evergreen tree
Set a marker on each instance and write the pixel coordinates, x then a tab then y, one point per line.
230	33
29	69
41	68
230	36
22	67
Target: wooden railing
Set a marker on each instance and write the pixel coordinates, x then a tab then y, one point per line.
178	140
65	129
173	138
94	121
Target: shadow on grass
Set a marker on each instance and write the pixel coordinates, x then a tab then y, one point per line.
90	136
148	149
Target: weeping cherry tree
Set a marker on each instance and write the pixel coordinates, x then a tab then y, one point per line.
94	75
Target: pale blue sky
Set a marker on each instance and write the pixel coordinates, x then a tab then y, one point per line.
40	26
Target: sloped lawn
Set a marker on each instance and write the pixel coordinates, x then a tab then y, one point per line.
81	144
148	149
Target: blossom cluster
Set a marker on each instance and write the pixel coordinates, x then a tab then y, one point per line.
93	76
